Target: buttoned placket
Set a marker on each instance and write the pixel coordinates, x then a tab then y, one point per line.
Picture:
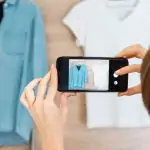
6	21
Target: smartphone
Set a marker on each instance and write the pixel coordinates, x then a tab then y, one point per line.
91	74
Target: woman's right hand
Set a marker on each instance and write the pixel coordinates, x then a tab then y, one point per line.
48	116
135	51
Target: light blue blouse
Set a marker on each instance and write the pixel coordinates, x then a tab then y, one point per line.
78	77
22	58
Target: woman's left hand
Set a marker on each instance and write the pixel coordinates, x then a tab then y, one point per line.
47	116
134	51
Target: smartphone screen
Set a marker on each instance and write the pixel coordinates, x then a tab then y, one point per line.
88	74
91	74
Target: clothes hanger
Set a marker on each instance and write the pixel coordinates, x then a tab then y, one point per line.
79	62
121	3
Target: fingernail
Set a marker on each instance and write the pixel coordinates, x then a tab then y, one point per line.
117	72
38	79
123	94
52	66
47	75
119	94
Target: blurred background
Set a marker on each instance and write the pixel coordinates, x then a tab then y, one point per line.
60	42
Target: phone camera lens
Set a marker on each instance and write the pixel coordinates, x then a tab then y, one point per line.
115	82
115	75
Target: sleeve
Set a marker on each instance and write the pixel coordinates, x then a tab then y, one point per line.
35	66
76	21
71	77
40	60
86	74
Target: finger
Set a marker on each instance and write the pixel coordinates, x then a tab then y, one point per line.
128	69
132	51
129	52
23	100
33	83
30	97
131	91
29	92
66	96
63	100
69	94
43	87
134	90
122	94
52	84
23	97
63	103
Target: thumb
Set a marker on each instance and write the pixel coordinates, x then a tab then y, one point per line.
64	103
52	84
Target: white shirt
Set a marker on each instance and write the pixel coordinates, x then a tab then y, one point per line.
101	76
103	34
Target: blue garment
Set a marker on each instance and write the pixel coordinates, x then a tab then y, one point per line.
22	58
78	77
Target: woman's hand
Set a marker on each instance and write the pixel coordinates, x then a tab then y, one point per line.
47	116
136	51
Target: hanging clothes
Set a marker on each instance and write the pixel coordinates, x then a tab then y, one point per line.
102	33
101	75
23	57
78	76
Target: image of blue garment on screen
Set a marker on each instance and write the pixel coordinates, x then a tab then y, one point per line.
78	76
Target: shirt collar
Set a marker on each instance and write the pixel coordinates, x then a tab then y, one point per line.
12	2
